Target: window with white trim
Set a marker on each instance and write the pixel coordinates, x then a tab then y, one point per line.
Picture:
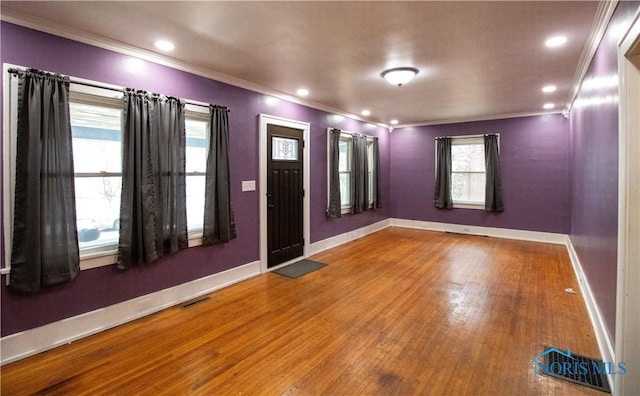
97	117
371	171
468	175
344	167
96	127
197	127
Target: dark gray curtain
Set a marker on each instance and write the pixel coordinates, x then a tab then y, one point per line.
493	189
219	223
45	244
377	202
442	196
334	207
359	174
153	220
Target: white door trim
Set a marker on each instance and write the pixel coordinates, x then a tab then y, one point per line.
306	128
627	341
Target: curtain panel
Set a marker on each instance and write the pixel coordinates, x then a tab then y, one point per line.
442	195
219	222
153	220
377	202
334	206
359	174
493	189
45	244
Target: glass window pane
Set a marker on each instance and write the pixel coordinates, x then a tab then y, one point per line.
467	157
195	201
97	138
98	210
284	149
345	188
468	187
344	162
196	150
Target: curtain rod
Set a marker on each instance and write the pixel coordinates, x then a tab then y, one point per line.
468	136
15	72
353	133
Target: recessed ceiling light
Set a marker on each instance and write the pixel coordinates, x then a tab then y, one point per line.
549	106
165	45
302	92
365	112
549	89
394	122
556	41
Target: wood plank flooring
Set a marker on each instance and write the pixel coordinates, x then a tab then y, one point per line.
398	312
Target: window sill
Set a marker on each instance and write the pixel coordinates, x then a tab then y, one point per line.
110	257
468	205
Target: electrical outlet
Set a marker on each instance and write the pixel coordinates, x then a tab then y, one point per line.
249	185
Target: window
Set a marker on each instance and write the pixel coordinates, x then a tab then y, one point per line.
345	172
371	173
345	147
467	171
96	126
96	117
197	127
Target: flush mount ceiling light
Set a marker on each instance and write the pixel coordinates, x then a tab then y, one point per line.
549	88
302	92
399	75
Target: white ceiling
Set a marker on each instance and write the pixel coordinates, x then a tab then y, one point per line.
477	59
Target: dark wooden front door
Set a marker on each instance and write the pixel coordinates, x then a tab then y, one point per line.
285	194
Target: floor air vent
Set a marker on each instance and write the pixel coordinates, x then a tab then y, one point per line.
195	301
576	368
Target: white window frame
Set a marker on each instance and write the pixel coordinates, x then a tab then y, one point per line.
100	98
198	113
463	140
89	257
346	208
371	172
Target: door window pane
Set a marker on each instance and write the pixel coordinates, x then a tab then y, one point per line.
284	149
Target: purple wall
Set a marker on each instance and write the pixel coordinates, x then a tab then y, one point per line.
534	165
104	286
594	169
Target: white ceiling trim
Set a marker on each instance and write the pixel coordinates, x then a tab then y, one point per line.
483	118
46	26
604	13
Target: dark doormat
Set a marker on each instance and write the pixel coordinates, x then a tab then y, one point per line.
576	368
299	268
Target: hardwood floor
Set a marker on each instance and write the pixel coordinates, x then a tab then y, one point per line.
397	312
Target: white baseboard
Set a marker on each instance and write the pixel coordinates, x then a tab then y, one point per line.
30	342
341	239
602	336
534	236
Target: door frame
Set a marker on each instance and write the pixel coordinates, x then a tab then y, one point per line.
264	121
627	341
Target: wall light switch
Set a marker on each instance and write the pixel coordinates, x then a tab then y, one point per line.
248	185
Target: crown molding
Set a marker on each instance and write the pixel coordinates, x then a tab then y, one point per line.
47	26
605	11
480	118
